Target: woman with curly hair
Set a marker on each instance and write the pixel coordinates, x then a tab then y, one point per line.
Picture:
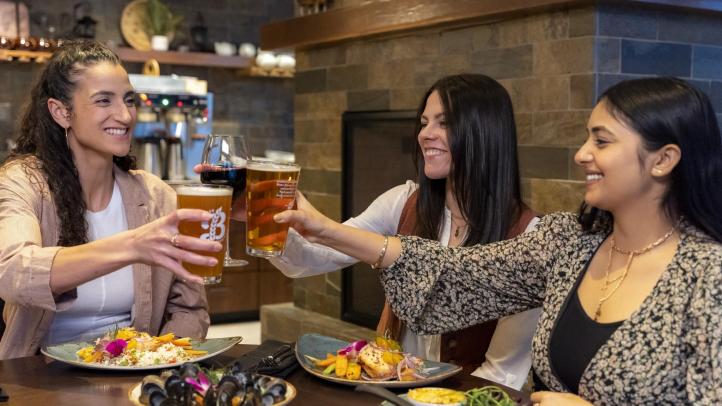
87	243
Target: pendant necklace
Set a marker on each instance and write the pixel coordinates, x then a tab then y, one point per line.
458	227
631	254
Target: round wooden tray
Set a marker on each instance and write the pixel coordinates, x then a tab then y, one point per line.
132	25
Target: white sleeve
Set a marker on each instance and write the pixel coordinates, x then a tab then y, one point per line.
302	258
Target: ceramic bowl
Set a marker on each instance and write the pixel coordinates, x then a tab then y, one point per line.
286	61
247	49
266	60
433	396
224	48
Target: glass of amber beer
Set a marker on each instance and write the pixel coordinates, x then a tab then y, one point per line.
216	199
270	189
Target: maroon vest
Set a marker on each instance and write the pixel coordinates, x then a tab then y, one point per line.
464	347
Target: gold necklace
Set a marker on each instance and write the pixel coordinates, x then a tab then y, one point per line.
458	227
620	279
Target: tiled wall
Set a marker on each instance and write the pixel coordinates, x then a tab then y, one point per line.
553	64
259	107
640	42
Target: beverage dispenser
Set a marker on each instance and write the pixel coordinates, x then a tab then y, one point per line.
174	119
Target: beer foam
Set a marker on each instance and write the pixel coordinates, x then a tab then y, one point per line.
267	166
203	190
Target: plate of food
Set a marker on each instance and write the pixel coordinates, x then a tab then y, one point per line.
127	349
380	362
192	384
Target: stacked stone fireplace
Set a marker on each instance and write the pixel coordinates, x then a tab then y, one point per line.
553	63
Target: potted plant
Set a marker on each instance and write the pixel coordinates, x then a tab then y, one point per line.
160	24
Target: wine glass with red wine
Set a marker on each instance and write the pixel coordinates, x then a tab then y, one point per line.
224	163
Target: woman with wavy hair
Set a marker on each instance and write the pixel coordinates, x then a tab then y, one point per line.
630	288
467	193
87	243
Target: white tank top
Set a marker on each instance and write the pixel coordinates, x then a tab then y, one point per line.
103	303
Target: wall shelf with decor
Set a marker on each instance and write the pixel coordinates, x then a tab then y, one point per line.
243	65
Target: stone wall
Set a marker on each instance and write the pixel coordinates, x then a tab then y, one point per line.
554	65
259	107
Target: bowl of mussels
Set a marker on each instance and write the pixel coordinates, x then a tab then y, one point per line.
194	385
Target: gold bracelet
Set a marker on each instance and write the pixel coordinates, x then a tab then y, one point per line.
382	254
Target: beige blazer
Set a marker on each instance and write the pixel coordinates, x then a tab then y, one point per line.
28	245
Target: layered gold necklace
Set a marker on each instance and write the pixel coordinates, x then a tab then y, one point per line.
630	257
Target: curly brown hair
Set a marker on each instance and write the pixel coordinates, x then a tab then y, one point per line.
40	137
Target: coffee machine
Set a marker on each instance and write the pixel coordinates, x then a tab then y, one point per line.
175	116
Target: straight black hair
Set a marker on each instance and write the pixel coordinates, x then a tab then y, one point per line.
664	111
484	171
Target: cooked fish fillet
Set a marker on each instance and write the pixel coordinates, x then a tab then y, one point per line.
371	359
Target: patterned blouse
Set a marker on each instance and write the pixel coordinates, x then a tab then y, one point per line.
669	351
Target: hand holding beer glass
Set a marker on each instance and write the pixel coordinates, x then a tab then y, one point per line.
270	189
216	199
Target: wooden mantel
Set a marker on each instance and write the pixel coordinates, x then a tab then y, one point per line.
402	15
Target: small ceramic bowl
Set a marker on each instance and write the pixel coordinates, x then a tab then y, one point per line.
266	60
247	49
224	48
286	61
435	397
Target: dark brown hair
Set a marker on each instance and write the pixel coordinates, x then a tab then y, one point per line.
42	138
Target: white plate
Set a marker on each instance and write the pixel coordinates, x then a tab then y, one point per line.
67	353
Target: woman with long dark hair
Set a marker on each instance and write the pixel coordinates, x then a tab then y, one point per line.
88	244
467	193
631	288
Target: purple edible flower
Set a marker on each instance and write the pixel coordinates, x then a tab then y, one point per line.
200	384
116	347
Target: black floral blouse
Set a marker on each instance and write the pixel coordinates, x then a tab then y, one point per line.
669	351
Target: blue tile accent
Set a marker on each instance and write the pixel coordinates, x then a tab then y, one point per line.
629	22
607	55
707	62
695	28
703	85
604	82
656	58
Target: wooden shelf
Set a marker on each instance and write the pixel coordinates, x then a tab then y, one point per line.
185	58
352	22
24	56
243	65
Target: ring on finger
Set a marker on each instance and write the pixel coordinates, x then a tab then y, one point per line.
174	240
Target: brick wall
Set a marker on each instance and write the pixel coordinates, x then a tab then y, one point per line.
553	64
259	107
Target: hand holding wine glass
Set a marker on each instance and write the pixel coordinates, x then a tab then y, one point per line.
224	163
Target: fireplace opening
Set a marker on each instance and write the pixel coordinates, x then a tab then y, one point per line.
377	154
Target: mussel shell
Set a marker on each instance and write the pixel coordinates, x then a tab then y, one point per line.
188	369
252	398
228	388
177	388
150	385
277	390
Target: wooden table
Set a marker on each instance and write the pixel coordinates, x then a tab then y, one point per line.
42	381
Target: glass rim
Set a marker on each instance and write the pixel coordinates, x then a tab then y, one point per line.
187	189
271	163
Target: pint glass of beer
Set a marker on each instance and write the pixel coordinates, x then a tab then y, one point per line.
216	199
270	189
